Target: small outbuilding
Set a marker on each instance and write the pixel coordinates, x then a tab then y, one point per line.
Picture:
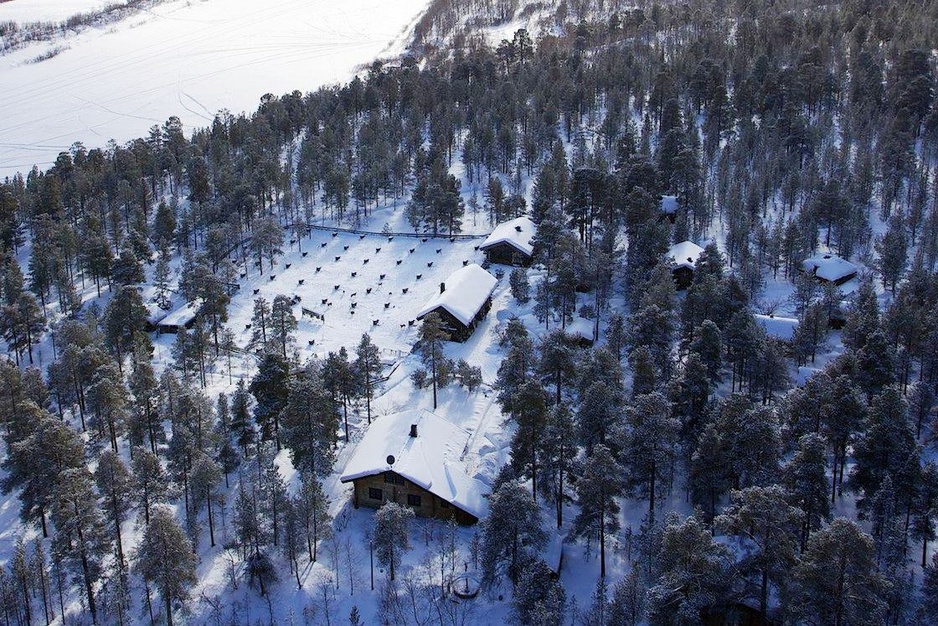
464	299
779	328
683	258
178	319
511	243
668	207
155	315
414	458
829	268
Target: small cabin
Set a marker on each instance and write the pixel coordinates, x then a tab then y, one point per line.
511	243
683	259
829	268
413	458
782	329
463	301
178	319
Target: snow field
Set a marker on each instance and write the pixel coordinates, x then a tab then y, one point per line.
184	58
24	11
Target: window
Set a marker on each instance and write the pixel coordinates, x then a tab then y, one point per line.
375	494
413	500
393	479
444	504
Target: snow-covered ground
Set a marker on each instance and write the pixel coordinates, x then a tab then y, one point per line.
24	11
183	57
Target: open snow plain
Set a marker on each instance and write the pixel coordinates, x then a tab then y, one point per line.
188	58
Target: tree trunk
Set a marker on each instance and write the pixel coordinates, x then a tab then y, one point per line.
169	609
602	542
764	598
651	494
211	522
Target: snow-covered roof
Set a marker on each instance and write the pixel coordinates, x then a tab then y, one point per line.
464	294
155	313
829	267
684	254
580	327
519	233
181	316
782	328
669	204
430	460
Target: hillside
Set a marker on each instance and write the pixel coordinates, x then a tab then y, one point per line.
707	396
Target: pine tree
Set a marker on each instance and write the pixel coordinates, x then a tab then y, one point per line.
149	482
368	368
79	539
261	325
310	424
313	508
270	387
926	509
628	601
37	463
283	324
529	413
204	480
928	604
806	482
432	336
391	535
769	528
692	575
242	424
597	490
115	484
22	576
165	558
517	364
559	449
556	362
598	415
511	534
107	398
339	378
887	447
836	580
520	287
143	419
650	445
539	598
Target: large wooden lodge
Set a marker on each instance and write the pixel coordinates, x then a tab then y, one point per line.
413	458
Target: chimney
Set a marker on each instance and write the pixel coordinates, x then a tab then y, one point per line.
413	430
518	229
442	287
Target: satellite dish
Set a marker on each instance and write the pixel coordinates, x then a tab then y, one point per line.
391	459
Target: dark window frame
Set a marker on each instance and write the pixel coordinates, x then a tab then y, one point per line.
391	478
414	500
372	491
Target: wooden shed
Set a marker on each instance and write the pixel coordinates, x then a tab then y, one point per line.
829	268
178	319
683	259
511	243
463	301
